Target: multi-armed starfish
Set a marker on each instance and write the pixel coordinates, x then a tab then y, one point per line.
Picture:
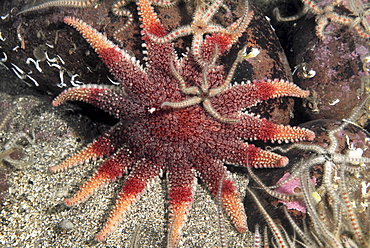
153	136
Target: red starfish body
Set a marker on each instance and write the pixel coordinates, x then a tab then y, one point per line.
192	140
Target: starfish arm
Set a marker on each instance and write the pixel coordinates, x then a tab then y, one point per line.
108	98
160	51
134	186
253	128
181	178
230	200
243	96
125	68
278	88
104	145
150	20
264	159
244	154
210	172
112	168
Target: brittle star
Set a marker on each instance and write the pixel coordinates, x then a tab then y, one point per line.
360	11
334	166
204	93
327	13
202	25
